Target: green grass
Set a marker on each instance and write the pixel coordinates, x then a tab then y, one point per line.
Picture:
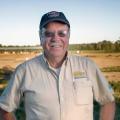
111	69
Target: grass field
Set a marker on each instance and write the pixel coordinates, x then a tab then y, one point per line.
109	64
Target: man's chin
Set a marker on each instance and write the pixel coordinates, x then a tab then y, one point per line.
57	54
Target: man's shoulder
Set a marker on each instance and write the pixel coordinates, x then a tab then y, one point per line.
31	62
77	59
82	63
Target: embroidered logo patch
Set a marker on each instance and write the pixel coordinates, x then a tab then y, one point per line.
53	14
78	74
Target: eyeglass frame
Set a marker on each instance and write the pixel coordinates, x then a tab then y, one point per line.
42	37
44	32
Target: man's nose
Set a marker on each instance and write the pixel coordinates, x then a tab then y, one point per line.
56	36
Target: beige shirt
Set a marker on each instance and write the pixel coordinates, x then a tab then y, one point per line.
48	96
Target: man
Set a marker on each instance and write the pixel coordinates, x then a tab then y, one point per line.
56	85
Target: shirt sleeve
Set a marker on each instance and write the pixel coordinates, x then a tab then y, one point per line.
10	98
102	91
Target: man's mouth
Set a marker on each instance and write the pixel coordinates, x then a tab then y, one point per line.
55	45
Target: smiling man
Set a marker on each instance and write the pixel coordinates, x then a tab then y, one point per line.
56	85
55	40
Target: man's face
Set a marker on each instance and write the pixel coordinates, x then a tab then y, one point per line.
55	39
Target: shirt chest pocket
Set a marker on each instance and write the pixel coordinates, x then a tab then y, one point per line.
83	91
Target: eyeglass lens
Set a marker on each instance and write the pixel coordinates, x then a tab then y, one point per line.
52	34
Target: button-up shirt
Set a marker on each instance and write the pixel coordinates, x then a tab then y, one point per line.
49	96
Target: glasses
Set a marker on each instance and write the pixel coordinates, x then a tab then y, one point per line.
60	33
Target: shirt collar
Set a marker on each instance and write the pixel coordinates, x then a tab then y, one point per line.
47	63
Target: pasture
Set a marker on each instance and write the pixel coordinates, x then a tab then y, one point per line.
104	60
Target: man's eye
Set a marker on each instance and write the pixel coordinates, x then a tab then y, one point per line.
61	34
48	34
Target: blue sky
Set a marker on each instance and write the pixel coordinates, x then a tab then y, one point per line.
91	20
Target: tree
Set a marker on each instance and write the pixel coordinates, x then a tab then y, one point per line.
117	46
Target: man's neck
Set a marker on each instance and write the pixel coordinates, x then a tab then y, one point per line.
56	62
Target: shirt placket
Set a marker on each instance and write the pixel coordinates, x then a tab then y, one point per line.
61	93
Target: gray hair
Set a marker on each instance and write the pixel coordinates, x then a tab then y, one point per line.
41	31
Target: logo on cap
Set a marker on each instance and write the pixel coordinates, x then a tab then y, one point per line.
53	14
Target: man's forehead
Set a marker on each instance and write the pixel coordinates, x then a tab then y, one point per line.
56	24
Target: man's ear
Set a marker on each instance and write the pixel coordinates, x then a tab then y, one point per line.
39	35
69	34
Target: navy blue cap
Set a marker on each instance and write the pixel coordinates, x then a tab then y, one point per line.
53	16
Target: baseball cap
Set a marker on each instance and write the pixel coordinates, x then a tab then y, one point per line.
53	16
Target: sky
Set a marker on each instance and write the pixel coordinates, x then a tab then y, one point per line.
90	20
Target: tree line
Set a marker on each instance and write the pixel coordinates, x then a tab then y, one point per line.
105	45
